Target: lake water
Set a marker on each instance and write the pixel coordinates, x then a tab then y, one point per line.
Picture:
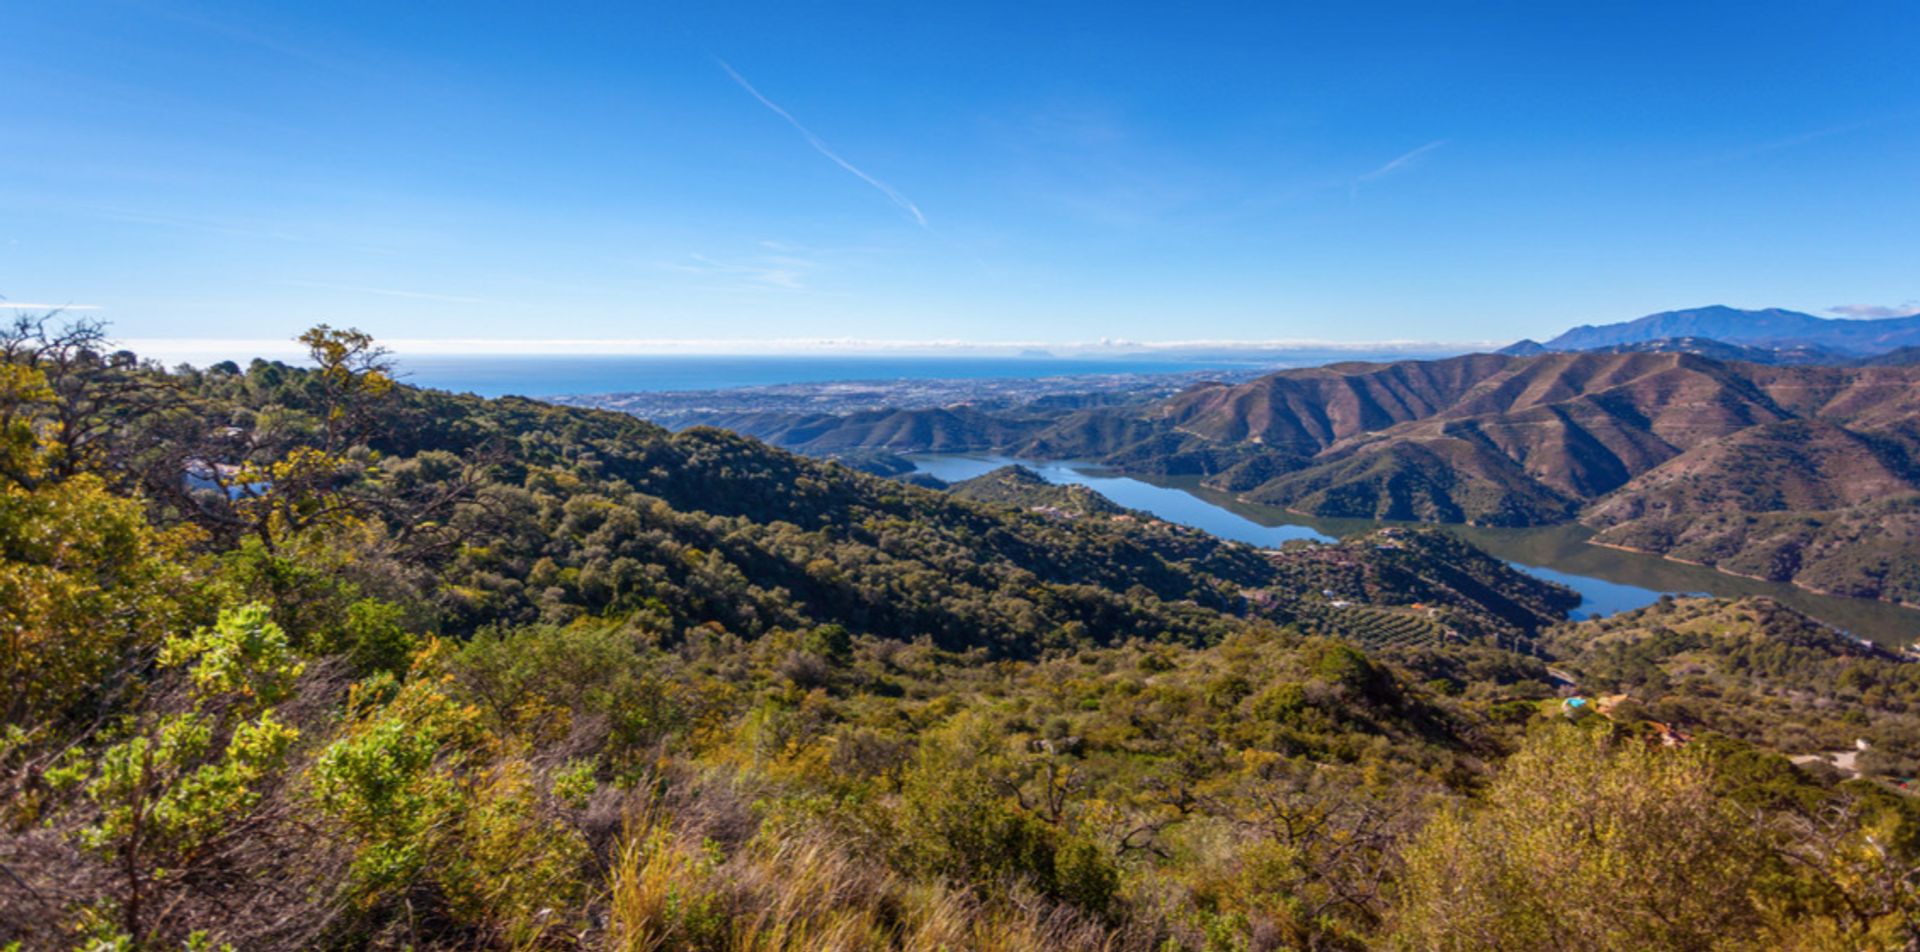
538	375
1608	580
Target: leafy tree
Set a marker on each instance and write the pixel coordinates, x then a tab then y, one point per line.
78	399
432	804
1857	865
355	378
1585	842
959	825
86	585
1320	855
179	787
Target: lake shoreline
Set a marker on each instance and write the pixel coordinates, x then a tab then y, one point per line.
1610	578
1712	567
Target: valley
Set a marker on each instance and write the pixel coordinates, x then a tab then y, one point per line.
1609	580
1658	452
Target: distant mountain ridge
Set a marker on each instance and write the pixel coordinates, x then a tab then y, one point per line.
1771	328
1791	355
1656	450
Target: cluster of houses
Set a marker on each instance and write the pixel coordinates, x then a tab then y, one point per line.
1577	707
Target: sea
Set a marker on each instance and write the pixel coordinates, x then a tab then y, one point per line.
545	375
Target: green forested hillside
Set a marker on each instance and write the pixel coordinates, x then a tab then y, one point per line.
1023	488
299	658
1755	670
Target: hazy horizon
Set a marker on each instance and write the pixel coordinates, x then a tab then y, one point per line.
180	348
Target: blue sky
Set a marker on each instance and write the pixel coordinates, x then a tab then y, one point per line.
989	172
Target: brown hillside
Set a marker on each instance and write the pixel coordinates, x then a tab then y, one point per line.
1513	432
1797	465
1638	443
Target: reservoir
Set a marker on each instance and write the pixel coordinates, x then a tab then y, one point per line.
1608	580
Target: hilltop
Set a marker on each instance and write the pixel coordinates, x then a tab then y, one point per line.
1023	488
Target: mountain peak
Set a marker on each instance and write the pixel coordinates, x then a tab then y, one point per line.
1770	327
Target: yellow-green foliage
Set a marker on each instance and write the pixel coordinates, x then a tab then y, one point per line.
85	585
427	797
957	822
167	794
1862	888
393	779
244	660
23	392
1587	842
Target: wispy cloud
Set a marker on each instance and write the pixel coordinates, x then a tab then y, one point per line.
1400	164
821	147
390	292
1874	312
1806	137
1803	138
780	272
232	29
141	218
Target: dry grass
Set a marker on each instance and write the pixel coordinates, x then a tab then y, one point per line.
671	892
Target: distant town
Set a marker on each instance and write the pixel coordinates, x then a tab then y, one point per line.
676	409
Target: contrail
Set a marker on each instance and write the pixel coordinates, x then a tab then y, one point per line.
1401	162
821	147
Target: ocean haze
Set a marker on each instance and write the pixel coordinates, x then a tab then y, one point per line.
570	368
557	375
